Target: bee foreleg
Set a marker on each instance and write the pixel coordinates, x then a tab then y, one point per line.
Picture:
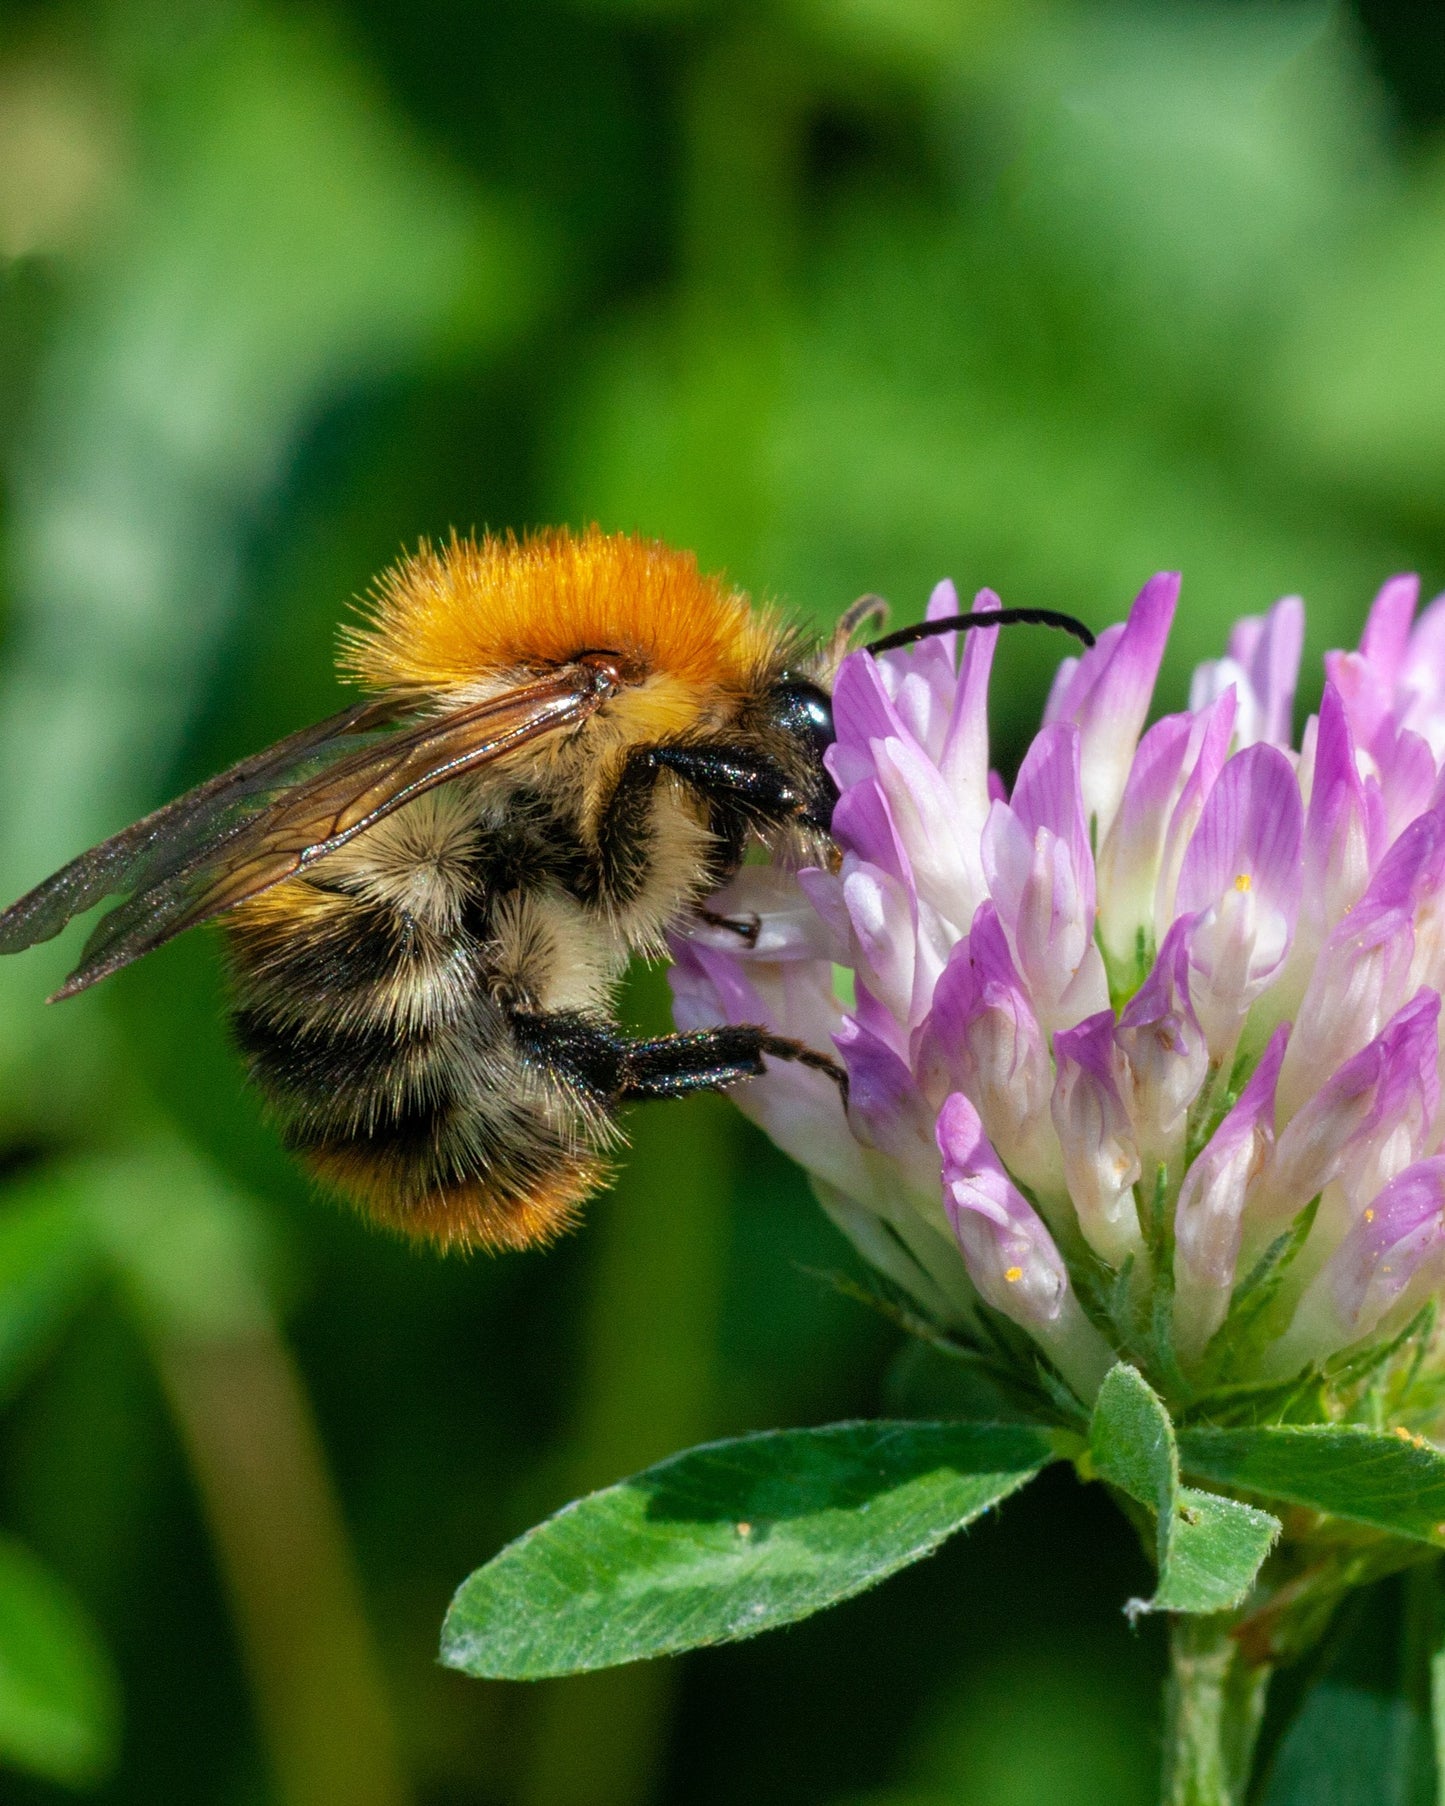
744	788
615	1069
731	774
748	785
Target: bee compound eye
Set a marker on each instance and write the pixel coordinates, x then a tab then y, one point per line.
802	709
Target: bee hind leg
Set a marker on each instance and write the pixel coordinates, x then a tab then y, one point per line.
673	1065
619	1070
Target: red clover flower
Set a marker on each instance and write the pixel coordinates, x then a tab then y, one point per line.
1166	1009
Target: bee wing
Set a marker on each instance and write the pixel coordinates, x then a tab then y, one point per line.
273	814
160	843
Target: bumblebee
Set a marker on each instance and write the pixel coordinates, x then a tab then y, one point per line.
570	742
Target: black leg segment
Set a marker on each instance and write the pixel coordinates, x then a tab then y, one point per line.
731	774
615	1069
743	788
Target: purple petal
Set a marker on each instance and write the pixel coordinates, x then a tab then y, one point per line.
1241	880
1367	1122
1411	871
1272	663
1076	676
797	1107
1208	1217
1386	635
886	1108
1251	829
1394	1252
1366	679
863	825
922	684
1336	846
965	748
1356	985
1107	695
880	911
1161	1039
785	921
983	1038
943	602
824	891
1045	912
1048	793
1096	1137
1130	859
1263	663
940	845
908	694
1420	689
1402	1228
1010	1255
1270	653
1040	873
1209	737
1405	778
874	1015
1371	963
863	712
708	989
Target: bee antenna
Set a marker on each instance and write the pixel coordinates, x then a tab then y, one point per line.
998	617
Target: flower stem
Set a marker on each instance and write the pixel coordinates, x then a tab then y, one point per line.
1213	1704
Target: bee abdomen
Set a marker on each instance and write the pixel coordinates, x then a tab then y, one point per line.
441	1128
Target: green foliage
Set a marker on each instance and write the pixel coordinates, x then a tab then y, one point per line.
1049	1721
48	1260
1237	1343
290	239
1393	1482
1208	1550
1360	1729
729	1540
845	297
1353	1746
59	1708
59	1713
188	1247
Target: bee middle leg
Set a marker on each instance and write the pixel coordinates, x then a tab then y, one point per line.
613	1067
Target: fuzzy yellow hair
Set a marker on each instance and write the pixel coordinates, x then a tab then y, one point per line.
441	620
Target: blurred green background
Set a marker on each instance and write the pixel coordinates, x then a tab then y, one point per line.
846	294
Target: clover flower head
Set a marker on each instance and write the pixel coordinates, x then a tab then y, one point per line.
1144	1049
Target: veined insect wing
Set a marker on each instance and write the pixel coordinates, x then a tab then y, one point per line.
269	817
164	842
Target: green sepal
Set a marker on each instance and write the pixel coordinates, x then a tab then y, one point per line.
730	1539
1245	1331
1208	1549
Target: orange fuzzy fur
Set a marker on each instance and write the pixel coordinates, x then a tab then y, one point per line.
441	620
466	1214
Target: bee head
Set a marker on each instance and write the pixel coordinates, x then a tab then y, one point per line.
801	714
800	711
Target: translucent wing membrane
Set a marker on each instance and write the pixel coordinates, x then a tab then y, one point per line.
165	840
272	815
